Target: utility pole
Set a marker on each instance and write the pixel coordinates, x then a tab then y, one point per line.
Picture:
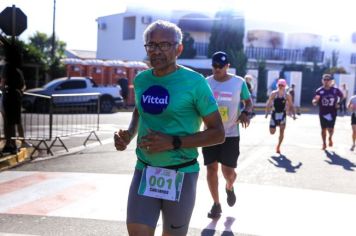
54	31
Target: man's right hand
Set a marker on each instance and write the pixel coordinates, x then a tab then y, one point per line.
122	139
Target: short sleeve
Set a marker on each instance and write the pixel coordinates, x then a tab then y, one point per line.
204	99
245	93
317	92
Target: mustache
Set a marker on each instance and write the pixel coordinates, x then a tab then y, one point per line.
157	58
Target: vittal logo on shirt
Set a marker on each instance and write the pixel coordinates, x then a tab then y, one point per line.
155	100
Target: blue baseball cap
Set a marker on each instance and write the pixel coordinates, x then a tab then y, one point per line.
220	58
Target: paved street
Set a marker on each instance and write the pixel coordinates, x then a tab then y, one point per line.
304	191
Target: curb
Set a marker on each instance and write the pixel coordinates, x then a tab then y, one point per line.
7	162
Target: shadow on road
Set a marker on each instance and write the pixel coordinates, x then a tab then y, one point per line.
335	159
209	230
282	161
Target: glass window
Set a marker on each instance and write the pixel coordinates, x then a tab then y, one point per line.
129	28
71	84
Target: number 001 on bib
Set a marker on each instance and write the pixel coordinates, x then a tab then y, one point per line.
161	183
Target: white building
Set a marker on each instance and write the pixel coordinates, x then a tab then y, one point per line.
120	37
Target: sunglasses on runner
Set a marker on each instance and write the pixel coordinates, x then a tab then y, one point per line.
217	66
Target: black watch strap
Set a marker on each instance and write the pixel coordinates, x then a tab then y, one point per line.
177	143
245	112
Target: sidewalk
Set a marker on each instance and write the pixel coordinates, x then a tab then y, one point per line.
8	160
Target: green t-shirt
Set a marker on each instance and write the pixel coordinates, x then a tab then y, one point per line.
174	105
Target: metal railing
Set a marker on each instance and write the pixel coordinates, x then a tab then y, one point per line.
308	54
202	48
47	119
280	54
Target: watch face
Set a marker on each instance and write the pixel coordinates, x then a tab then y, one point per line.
176	142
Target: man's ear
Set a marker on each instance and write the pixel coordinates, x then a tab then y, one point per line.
179	49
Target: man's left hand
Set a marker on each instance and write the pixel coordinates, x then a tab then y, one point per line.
244	119
156	142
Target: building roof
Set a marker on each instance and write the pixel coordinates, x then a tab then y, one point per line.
196	22
80	54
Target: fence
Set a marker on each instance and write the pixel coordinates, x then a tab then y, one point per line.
47	119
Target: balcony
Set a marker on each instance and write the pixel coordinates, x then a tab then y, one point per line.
280	54
311	54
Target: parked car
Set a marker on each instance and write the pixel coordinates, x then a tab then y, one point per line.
72	92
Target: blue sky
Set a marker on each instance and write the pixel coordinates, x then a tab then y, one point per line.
76	25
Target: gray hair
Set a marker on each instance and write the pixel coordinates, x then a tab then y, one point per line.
163	25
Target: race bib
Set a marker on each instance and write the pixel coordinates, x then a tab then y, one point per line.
279	116
328	117
224	113
161	183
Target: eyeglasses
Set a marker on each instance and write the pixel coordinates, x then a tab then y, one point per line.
281	85
163	46
217	66
326	79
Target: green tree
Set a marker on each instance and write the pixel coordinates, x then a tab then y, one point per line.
262	82
332	64
227	35
188	46
238	61
41	44
36	58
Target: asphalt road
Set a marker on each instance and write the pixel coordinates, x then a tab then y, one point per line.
303	191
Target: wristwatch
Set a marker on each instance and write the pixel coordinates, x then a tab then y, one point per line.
245	112
176	142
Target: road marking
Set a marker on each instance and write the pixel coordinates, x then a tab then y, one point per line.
275	210
50	203
23	182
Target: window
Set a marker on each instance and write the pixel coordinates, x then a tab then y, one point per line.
129	28
72	84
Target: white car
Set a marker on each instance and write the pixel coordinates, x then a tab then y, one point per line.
72	92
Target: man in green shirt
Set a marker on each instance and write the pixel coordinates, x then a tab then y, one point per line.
171	103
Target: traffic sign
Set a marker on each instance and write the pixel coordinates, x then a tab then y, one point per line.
13	21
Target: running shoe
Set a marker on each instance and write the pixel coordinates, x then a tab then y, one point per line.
26	144
215	211
10	149
231	197
352	148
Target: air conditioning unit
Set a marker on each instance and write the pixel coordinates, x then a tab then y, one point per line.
102	25
146	20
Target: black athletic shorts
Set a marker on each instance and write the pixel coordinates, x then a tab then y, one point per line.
226	153
353	118
277	119
325	123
